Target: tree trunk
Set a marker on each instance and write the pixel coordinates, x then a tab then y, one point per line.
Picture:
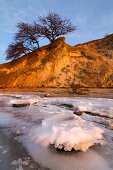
38	45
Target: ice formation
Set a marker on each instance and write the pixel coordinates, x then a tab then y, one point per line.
67	131
50	122
25	101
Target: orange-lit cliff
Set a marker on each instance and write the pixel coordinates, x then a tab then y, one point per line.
61	65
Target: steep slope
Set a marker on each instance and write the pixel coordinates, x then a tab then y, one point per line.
61	65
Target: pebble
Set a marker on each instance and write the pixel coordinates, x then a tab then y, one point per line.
17	132
110	127
1	147
25	163
4	151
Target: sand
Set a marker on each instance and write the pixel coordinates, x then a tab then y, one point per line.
63	92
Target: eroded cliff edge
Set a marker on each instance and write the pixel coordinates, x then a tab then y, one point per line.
61	65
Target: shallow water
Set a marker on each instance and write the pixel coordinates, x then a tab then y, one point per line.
27	125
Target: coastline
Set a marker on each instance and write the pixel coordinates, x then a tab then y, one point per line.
62	92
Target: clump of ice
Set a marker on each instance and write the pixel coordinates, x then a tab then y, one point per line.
18	163
67	131
25	101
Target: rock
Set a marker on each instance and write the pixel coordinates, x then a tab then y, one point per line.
25	163
77	112
47	95
110	127
20	105
17	132
61	65
69	106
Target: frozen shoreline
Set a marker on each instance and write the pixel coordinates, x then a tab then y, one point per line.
100	157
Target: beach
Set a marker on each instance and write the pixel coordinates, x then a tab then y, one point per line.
62	92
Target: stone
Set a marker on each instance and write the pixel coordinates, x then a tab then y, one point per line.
20	105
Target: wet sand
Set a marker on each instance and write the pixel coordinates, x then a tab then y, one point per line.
63	92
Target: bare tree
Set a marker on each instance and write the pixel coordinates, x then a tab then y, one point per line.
27	37
15	50
53	26
28	33
25	40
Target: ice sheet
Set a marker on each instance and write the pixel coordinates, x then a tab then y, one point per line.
48	123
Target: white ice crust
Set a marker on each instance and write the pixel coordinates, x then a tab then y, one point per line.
45	123
67	131
30	101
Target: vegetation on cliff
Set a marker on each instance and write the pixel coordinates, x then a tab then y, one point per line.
27	38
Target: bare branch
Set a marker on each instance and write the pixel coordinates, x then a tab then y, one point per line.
15	50
28	33
27	37
53	26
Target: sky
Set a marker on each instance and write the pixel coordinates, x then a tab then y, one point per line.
93	18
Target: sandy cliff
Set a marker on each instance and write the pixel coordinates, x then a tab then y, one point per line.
61	65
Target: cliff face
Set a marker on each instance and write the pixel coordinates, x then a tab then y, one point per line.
61	65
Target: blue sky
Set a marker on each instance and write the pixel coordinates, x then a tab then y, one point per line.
94	18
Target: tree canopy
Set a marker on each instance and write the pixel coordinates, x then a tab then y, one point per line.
28	33
16	50
27	37
52	26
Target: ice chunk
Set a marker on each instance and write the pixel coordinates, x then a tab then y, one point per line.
14	162
4	151
20	168
20	161
17	163
1	147
67	131
22	102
